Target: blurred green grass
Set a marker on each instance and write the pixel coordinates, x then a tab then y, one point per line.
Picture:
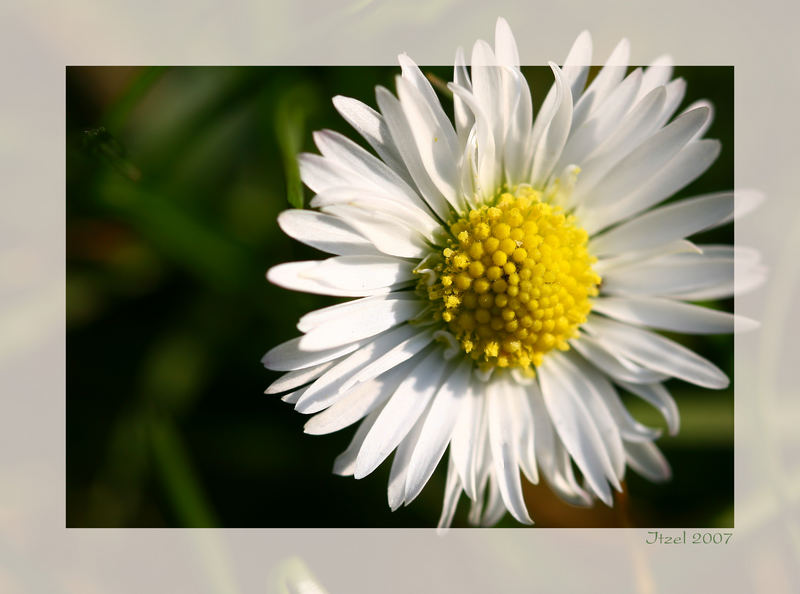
175	177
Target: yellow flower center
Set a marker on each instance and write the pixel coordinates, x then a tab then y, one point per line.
515	280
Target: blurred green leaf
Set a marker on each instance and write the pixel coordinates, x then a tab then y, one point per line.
118	112
100	144
197	100
291	114
705	419
183	237
174	370
126	467
175	472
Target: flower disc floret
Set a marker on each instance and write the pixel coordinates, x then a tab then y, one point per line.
515	280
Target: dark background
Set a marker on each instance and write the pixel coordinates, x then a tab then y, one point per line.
175	177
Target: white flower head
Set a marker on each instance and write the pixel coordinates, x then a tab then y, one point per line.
505	266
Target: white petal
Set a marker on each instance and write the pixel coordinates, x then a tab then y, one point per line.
438	429
330	386
614	364
412	217
470	177
358	402
566	485
345	164
324	232
607	265
288	356
543	430
503	443
361	169
742	254
553	458
297	378
668	275
684	168
676	89
574	425
656	352
661	399
518	150
476	509
520	408
389	234
400	462
646	459
599	414
554	134
482	460
647	116
345	462
319	173
403	138
362	273
746	278
397	355
452	493
668	314
369	123
515	104
462	115
413	75
708	105
598	128
577	63
657	74
435	139
303	276
293	397
603	84
629	428
634	128
665	224
495	507
487	89
745	201
505	47
400	413
372	319
488	170
465	440
646	160
324	315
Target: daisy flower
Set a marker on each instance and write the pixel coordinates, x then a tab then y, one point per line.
506	269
